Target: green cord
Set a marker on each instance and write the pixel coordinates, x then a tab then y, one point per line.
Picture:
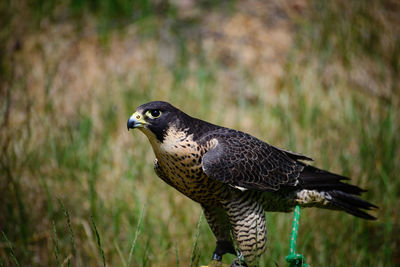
294	259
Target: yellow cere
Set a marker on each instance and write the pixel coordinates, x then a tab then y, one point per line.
138	117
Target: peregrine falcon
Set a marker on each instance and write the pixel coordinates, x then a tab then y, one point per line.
236	177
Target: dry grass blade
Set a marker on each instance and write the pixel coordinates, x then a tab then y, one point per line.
121	255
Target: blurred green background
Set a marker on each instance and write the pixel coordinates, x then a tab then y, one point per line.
78	189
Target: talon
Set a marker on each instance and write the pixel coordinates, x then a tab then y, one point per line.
217	257
238	262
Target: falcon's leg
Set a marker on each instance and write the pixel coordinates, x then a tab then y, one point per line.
248	224
219	223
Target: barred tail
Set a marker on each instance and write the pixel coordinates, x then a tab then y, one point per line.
326	190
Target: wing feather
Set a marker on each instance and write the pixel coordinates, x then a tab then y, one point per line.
244	161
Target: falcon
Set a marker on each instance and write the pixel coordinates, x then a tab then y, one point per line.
236	178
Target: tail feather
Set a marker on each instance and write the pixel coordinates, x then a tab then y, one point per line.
351	204
314	178
339	195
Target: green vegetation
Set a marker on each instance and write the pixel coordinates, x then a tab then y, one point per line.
77	189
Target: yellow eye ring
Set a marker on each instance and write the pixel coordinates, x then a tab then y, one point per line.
153	113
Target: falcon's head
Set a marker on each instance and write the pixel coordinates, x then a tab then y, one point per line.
155	118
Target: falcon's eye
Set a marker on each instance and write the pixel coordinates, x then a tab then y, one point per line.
154	113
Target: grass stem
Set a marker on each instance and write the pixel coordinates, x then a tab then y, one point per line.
98	241
136	235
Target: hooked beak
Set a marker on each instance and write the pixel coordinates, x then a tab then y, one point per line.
136	121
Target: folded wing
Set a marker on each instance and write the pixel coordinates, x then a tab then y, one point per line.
244	161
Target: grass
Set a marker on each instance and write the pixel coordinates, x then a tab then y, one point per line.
56	248
101	251
12	253
70	231
195	254
136	236
74	182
